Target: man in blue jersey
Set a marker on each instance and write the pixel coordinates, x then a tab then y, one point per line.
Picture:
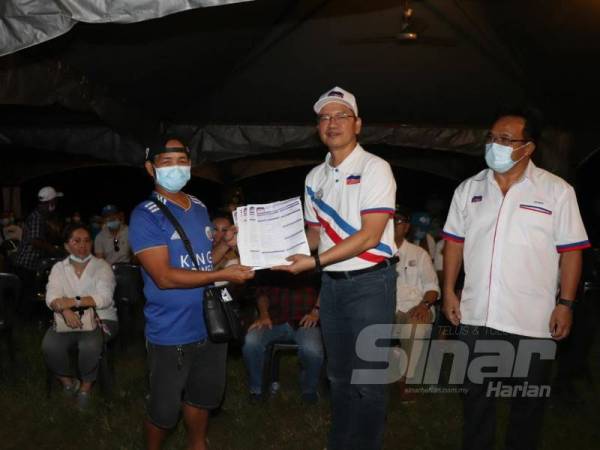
187	370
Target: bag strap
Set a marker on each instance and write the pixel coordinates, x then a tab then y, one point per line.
186	242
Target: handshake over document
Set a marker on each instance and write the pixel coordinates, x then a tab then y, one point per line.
269	233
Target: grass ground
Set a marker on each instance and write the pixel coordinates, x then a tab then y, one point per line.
31	421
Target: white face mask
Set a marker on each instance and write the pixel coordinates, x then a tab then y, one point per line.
498	157
79	260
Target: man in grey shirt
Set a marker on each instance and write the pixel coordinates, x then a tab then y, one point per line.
112	243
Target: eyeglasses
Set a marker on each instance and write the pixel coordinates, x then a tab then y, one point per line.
337	117
502	140
116	245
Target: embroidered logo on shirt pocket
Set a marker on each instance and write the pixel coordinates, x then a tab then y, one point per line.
535	208
353	179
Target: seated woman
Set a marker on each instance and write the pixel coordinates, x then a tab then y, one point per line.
79	281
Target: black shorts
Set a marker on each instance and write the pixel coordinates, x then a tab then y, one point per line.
191	373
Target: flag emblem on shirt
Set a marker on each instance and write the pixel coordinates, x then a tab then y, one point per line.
353	179
476	198
535	208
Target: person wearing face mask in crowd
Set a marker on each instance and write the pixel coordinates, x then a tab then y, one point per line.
417	290
187	370
79	281
518	229
420	223
36	244
112	242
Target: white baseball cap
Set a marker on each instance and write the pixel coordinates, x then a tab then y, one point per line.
337	95
48	193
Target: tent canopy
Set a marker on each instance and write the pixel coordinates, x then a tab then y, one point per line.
240	80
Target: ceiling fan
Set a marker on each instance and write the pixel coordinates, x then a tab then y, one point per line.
412	31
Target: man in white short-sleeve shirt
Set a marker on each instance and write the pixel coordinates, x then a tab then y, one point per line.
514	225
417	290
349	202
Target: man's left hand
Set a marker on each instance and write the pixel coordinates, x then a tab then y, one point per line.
561	321
300	263
310	320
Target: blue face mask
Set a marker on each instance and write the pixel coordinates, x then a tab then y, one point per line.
113	224
498	157
419	233
172	178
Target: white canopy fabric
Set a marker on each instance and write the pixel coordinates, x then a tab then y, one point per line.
27	23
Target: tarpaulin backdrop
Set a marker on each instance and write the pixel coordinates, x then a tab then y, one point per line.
27	23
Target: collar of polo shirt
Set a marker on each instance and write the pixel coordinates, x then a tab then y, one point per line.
529	174
347	165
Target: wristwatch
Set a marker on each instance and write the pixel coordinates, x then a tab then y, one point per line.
568	303
77	301
318	267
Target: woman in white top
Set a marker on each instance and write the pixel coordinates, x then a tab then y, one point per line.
79	281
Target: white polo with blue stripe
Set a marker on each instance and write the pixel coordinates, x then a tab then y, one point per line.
512	246
336	198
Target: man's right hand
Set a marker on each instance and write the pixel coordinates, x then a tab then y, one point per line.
236	273
71	318
262	322
451	308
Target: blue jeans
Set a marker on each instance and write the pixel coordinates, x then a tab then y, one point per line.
347	307
310	353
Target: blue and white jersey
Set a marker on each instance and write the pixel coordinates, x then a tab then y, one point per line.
173	316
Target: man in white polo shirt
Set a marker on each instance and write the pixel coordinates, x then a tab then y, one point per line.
349	203
514	225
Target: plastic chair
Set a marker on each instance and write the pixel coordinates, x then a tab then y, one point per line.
41	277
105	378
271	365
273	356
10	290
129	294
